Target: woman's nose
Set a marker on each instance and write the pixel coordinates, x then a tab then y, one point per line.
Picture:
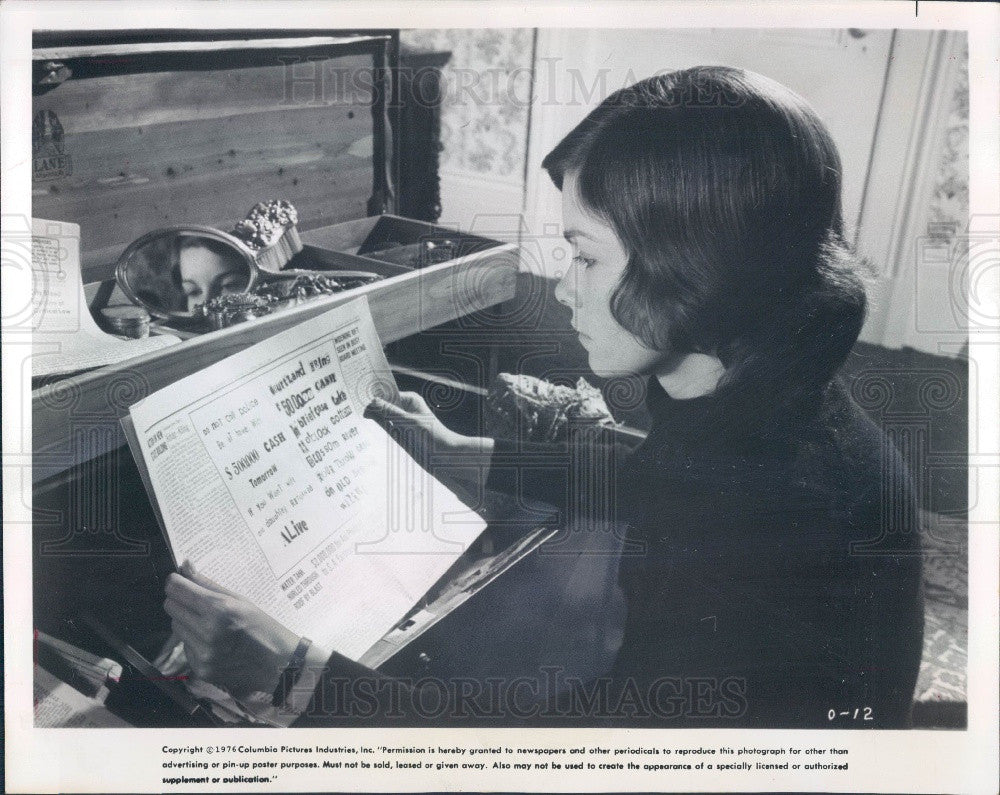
565	291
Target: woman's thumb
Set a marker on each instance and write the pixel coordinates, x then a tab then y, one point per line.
413	402
380	409
197	577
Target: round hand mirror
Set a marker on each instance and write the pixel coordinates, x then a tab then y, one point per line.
174	271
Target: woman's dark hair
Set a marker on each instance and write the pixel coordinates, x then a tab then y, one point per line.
724	188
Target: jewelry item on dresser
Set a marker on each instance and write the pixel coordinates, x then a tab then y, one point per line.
126	320
302	287
433	252
228	310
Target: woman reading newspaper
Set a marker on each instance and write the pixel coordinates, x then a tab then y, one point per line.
704	212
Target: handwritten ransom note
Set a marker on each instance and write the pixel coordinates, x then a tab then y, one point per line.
272	482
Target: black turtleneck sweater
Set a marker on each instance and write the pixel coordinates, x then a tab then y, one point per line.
783	555
771	567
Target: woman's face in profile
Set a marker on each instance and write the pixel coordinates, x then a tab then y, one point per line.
599	259
205	274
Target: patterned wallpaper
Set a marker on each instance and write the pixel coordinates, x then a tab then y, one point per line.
950	197
487	94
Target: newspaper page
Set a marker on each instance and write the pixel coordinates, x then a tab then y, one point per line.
66	339
58	705
272	483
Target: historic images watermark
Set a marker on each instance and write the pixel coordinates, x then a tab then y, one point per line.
550	695
320	81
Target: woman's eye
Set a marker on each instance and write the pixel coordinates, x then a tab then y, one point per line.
582	260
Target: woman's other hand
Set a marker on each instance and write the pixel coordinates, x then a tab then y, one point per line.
462	461
414	426
228	641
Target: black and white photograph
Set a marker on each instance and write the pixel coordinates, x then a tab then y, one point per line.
504	404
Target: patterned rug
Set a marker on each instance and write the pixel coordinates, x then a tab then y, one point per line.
943	669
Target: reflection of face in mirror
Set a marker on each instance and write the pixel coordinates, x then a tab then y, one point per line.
206	270
177	273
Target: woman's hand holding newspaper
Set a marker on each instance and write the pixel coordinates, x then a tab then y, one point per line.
462	462
228	641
